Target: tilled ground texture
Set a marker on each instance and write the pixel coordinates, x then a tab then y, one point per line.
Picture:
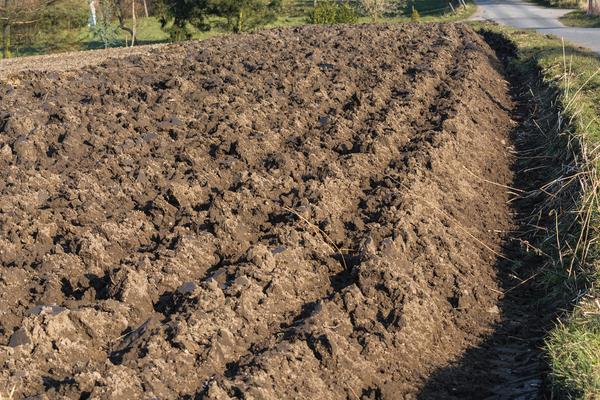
301	213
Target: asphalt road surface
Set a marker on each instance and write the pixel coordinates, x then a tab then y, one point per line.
521	14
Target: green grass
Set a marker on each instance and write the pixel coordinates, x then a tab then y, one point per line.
580	19
427	7
574	349
434	16
573	345
433	11
547	52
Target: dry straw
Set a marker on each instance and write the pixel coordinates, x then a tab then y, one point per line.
570	198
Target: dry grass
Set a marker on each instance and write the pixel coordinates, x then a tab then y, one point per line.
565	222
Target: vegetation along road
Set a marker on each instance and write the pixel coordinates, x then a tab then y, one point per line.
521	14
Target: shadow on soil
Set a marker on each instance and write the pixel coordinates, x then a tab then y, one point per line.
510	364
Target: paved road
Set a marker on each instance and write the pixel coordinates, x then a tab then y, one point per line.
521	14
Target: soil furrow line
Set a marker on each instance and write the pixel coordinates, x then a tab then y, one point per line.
317	333
271	322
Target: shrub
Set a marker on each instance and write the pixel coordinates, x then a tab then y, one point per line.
332	12
376	8
414	15
244	15
561	3
398	7
105	31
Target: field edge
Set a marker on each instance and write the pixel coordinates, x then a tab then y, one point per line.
571	277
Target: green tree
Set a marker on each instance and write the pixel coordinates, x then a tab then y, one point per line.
376	8
399	7
18	13
414	15
243	15
110	16
333	12
239	15
59	24
177	15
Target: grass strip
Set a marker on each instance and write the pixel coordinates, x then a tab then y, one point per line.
573	274
580	19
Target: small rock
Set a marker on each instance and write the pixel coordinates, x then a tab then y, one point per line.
148	136
131	287
187	288
278	249
216	392
175	121
345	147
325	66
220	278
367	248
19	338
45	309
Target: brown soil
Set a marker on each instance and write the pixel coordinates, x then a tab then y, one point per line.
73	60
301	213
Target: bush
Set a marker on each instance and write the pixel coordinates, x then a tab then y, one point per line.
245	15
177	16
398	8
332	12
105	30
414	15
376	8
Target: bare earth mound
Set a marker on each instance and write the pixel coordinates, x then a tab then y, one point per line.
296	213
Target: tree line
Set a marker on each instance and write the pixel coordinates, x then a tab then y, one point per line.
244	15
57	25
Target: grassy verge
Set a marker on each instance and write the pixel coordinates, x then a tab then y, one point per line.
558	3
572	274
580	19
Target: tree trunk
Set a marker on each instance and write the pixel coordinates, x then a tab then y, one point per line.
92	5
121	20
133	23
146	8
6	39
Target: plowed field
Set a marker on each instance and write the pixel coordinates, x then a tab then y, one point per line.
302	213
